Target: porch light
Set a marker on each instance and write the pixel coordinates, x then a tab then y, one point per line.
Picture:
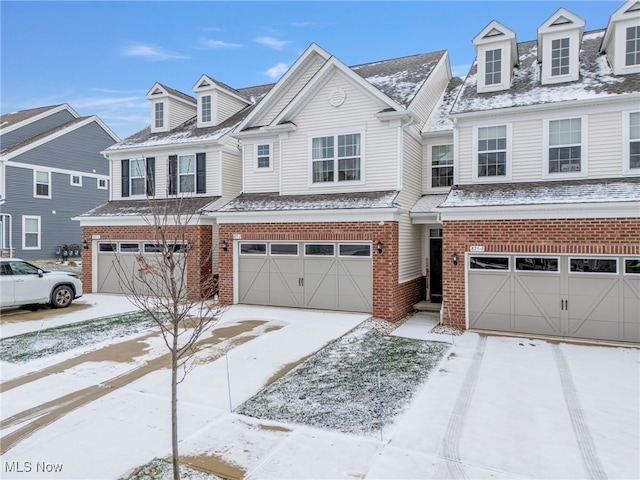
454	258
379	247
85	245
225	247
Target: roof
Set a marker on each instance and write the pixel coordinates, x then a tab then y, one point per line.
42	135
544	193
177	93
427	203
400	78
439	120
145	207
9	119
267	202
596	80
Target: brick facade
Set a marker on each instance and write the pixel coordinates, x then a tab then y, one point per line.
617	236
199	237
391	300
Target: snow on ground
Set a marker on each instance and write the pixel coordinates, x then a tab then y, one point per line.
495	407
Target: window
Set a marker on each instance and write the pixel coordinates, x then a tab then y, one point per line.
137	176
129	247
493	67
30	233
102	183
492	151
560	57
632	46
593	265
326	159
76	180
187	173
489	263
565	149
107	247
263	156
159	115
42	184
284	248
319	249
441	166
536	264
634	141
354	249
206	108
253	249
632	266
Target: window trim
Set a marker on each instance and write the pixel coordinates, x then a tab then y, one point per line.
155	115
266	249
508	167
71	176
35	183
567	57
256	167
24	232
591	257
202	110
625	40
310	255
624	266
584	153
357	130
367	244
536	272
494	72
285	255
626	146
144	177
490	270
106	183
430	166
193	174
505	70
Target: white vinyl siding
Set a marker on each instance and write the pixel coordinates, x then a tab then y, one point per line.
411	171
179	112
261	180
226	106
527	150
356	114
409	249
429	94
605	145
225	178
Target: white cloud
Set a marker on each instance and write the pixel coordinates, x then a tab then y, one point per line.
277	70
151	52
218	44
272	42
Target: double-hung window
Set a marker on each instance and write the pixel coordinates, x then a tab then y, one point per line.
632	46
634	142
159	115
206	109
137	177
42	184
565	145
187	173
30	232
441	166
492	151
493	67
263	156
336	158
560	57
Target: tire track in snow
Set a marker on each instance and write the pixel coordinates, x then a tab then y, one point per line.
581	430
451	441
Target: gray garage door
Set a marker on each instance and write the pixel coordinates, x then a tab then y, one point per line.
121	256
567	296
328	276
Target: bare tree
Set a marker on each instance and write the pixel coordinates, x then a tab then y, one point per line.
156	281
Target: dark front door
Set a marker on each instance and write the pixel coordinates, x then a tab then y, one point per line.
435	269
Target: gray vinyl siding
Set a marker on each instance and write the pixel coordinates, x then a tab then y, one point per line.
78	150
67	201
33	129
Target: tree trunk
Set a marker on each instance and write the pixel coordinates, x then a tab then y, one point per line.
174	406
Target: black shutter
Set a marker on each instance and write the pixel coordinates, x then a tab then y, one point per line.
173	174
125	178
151	176
201	173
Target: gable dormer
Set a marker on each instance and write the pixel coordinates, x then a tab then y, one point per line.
621	41
216	101
559	40
169	108
497	54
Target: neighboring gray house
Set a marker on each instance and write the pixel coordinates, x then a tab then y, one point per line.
51	170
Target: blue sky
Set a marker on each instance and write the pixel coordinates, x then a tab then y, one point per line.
103	57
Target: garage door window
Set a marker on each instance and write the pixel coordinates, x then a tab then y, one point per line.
593	265
107	247
354	250
319	250
632	266
284	249
489	263
536	264
253	249
129	247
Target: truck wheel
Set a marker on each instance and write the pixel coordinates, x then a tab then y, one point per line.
62	296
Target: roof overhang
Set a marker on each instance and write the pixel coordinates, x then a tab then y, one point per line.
144	221
391	214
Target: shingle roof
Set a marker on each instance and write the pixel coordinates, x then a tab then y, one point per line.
178	93
596	80
42	135
545	193
9	119
145	207
427	203
400	78
265	202
439	120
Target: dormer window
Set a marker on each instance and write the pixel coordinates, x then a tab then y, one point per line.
497	55
621	42
559	40
632	50
159	115
493	67
560	57
206	109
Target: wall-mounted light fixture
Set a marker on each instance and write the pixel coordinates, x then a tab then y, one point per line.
454	258
379	247
85	245
225	247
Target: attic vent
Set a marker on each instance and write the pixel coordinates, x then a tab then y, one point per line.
204	84
157	91
561	20
633	8
493	33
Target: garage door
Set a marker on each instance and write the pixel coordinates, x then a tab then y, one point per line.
121	256
327	276
568	296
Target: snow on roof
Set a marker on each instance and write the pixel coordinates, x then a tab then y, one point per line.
264	202
146	207
427	203
400	78
544	193
596	80
439	120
